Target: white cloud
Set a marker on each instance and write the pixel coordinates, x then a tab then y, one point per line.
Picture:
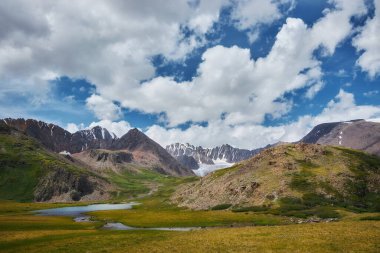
314	89
72	127
250	14
343	107
367	42
118	128
325	30
103	109
250	136
377	120
109	44
244	90
371	93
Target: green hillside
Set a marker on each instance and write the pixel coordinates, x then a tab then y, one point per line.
297	179
24	162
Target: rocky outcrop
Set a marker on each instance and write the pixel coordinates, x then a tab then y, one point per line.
102	161
113	157
356	134
60	181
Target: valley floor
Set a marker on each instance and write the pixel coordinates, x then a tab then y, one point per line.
21	231
352	236
223	230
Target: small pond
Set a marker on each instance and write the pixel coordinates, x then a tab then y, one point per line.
78	214
75	211
121	226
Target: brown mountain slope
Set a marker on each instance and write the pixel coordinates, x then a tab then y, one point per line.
148	153
335	175
356	134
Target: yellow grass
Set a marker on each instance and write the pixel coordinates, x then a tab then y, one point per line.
185	218
9	236
350	236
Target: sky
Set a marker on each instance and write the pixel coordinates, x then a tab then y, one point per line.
243	72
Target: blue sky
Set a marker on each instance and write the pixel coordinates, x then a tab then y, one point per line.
247	73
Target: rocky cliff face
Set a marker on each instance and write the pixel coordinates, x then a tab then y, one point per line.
202	155
356	134
59	182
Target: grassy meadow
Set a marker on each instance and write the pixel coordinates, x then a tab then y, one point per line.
26	233
253	230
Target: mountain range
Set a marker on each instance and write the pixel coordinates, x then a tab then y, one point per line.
192	156
356	134
57	139
47	163
44	162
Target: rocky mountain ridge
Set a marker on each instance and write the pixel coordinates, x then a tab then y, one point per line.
356	134
202	155
57	139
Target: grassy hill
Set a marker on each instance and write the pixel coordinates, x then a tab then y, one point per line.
297	179
30	172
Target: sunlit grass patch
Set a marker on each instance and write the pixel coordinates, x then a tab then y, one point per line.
186	218
359	236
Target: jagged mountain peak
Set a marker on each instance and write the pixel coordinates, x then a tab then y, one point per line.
133	139
208	156
58	139
97	132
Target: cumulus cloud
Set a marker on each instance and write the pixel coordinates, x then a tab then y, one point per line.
72	127
103	108
250	14
367	42
231	85
118	128
314	89
342	107
109	44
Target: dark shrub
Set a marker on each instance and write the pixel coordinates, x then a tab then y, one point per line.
221	207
